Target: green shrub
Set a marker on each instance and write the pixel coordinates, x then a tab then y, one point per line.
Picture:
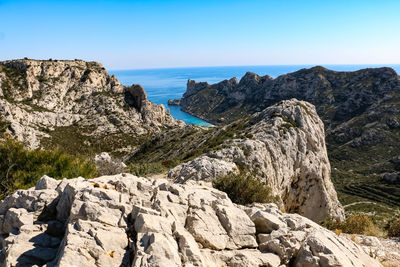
394	228
244	188
143	169
21	168
170	163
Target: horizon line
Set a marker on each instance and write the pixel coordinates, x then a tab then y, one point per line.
258	65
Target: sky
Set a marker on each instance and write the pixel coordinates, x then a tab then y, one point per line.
171	33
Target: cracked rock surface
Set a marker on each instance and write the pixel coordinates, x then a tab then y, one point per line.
124	220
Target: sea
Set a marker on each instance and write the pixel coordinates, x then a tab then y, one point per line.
170	83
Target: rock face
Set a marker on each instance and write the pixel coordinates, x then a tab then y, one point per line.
345	94
124	220
41	99
360	111
202	168
174	102
287	150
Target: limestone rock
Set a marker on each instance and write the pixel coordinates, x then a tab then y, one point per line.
106	165
287	150
202	169
46	182
124	220
46	98
15	218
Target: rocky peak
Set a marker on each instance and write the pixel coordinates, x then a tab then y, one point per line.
251	78
193	87
233	80
287	150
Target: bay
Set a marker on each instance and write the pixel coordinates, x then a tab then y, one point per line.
170	83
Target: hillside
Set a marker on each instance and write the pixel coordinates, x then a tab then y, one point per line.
360	111
75	105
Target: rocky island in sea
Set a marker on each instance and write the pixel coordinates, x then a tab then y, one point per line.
250	192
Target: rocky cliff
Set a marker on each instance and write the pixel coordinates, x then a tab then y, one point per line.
74	104
124	220
285	146
360	111
338	96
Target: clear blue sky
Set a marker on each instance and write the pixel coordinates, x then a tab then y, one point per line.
146	34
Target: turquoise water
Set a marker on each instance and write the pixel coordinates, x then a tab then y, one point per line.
164	84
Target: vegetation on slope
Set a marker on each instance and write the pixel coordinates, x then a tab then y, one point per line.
394	228
357	223
365	224
76	140
175	146
357	175
21	168
244	188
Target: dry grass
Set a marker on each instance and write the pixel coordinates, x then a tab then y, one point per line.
338	231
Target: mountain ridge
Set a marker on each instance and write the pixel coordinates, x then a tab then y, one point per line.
360	110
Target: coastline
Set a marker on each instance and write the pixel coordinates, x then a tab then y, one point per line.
204	119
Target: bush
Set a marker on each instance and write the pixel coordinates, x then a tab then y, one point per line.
21	168
244	188
143	169
358	223
394	228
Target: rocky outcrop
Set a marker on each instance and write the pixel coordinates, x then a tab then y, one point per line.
286	148
202	168
391	178
174	102
138	96
43	98
124	220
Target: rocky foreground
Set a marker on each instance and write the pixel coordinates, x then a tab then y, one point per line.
124	220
